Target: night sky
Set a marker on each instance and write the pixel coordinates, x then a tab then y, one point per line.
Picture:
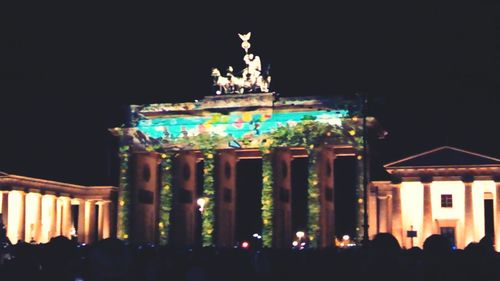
67	71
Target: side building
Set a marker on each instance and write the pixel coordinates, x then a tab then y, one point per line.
447	191
35	210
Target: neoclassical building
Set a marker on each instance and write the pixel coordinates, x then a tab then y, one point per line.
35	210
446	191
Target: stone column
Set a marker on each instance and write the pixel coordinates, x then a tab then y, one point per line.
145	197
427	227
372	212
225	198
397	219
48	217
59	207
382	215
100	220
81	221
469	215
184	200
16	218
105	224
33	217
90	222
66	223
282	197
324	166
497	215
5	209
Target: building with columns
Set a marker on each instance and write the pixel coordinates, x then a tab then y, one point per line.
162	148
446	191
35	210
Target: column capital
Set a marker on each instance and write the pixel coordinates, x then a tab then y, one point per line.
426	179
496	179
396	180
31	193
468	178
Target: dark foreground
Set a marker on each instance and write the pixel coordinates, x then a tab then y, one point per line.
382	259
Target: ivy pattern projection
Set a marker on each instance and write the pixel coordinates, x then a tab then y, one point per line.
165	197
267	198
207	215
124	195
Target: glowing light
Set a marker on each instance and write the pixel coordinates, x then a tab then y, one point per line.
352	132
245	245
345	237
355	118
122	203
360	200
201	202
295	243
72	232
255	235
300	234
359	157
164	156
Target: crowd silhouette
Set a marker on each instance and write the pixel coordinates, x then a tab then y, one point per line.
380	259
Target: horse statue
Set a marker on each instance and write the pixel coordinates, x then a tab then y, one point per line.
251	80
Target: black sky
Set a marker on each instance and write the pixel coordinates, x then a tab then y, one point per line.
67	70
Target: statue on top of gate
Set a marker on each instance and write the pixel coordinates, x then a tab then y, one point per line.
252	80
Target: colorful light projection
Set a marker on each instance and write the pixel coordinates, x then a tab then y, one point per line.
238	129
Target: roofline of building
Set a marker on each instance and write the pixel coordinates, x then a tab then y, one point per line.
14	182
437	149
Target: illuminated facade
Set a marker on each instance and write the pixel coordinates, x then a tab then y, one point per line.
445	191
160	151
35	210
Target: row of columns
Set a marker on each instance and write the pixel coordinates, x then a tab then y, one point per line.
184	198
36	217
390	215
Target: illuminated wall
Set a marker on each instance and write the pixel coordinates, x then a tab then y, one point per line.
412	209
243	128
412	197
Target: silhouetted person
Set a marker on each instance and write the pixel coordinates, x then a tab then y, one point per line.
382	258
109	260
59	259
438	262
